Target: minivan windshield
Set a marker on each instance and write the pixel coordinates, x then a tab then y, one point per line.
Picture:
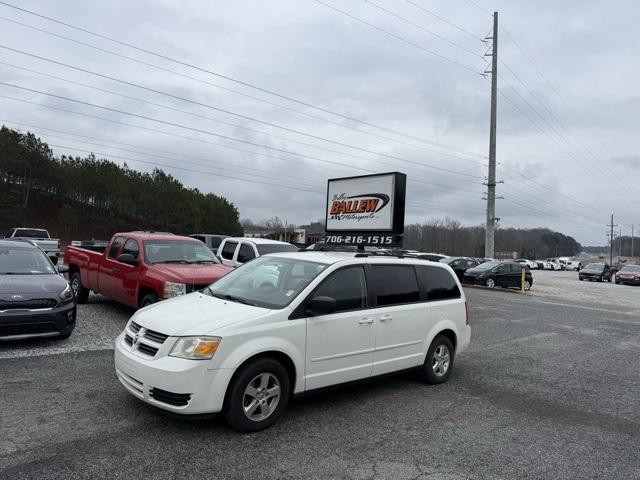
268	282
177	251
24	261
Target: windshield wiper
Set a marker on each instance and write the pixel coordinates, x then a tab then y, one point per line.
171	261
203	261
231	298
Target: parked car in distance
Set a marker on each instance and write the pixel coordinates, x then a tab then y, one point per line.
432	257
50	246
140	268
234	251
35	299
572	265
629	275
595	271
211	241
499	273
556	264
529	263
460	264
333	318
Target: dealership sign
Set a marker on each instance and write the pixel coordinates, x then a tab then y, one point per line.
366	210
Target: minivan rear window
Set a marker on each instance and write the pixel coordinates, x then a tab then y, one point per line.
394	284
437	283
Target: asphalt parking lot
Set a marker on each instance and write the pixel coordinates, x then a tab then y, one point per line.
550	388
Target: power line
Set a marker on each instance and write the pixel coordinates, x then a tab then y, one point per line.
398	37
246	117
426	30
211	72
167	107
562	99
470	1
444	20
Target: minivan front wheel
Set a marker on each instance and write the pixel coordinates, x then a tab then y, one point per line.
257	395
439	362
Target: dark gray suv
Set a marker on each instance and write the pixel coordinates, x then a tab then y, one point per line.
35	299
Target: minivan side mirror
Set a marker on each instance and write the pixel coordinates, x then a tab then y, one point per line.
128	259
321	306
62	268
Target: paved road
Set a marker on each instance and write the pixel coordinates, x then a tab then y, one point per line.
549	389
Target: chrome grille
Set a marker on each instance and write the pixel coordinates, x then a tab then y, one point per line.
146	342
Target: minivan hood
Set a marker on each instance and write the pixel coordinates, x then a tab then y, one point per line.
194	273
194	314
45	284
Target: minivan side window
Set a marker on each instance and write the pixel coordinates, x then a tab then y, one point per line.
394	284
437	283
228	250
115	246
246	253
347	286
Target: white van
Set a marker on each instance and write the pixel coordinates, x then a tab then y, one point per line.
236	251
244	347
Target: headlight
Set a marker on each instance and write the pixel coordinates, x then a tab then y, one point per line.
174	289
67	294
195	348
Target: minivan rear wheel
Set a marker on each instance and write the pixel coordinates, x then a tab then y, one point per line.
257	395
439	362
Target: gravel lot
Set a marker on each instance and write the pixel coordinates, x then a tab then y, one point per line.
566	286
548	389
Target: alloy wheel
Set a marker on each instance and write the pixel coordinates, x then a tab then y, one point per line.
261	397
441	360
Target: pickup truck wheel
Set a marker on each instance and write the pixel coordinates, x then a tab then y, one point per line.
81	293
439	362
257	395
148	299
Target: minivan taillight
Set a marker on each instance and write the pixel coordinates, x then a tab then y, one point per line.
466	313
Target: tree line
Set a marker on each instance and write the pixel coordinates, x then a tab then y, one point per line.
451	237
96	197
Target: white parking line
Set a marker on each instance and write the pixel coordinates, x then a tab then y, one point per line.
42	351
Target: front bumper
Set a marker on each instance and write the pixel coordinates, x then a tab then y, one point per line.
591	276
178	385
627	280
53	322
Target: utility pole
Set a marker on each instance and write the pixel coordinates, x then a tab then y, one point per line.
611	225
490	231
631	241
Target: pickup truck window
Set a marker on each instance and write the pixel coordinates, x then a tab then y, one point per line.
246	253
115	246
31	233
177	251
228	249
131	247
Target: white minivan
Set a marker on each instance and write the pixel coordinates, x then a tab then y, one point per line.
244	345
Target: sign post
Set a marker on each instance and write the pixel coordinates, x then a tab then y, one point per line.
366	210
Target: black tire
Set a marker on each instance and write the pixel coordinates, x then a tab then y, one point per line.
81	293
428	371
233	410
600	279
490	282
65	336
581	279
617	282
609	280
148	299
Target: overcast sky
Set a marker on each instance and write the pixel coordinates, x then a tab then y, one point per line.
567	146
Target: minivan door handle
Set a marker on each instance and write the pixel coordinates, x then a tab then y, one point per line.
365	321
386	317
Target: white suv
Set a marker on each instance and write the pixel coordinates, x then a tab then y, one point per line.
290	323
236	251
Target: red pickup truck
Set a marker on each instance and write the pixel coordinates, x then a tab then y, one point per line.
140	268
